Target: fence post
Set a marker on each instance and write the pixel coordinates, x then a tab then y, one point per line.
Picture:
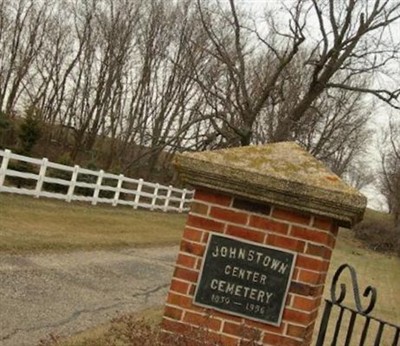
42	174
154	199
97	188
118	191
71	188
4	165
138	191
183	199
167	198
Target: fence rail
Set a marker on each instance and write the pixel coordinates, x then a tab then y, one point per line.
42	178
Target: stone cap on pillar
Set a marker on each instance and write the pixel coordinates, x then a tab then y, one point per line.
280	174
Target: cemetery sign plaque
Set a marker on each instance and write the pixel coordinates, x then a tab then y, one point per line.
245	279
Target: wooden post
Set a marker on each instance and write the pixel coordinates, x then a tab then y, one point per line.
183	198
42	174
97	187
154	199
4	165
118	191
167	198
138	191
71	187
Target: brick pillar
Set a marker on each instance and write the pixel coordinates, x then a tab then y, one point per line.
305	231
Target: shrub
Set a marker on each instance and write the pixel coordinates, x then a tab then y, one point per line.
60	174
379	235
127	330
30	130
5	125
86	178
21	166
65	159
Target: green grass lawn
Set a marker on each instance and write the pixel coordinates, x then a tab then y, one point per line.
29	224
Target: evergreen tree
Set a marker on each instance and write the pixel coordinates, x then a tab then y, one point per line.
29	130
4	126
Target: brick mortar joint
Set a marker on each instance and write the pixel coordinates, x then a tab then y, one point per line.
308	284
249	227
179	280
237	210
305	241
312	216
269	215
308	312
254	229
306	255
195	242
290	225
184	281
311	229
181	252
227	222
204	313
182	265
295	295
314	271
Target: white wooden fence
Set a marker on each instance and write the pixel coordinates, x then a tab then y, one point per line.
99	186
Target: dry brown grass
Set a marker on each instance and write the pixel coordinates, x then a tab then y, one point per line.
102	335
379	232
379	270
29	224
376	269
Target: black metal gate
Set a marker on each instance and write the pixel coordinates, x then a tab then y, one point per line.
344	325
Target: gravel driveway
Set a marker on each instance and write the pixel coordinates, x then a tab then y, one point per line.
67	293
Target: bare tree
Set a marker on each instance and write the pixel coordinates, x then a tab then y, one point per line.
164	101
390	172
334	129
234	89
352	41
23	24
140	80
342	52
359	173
